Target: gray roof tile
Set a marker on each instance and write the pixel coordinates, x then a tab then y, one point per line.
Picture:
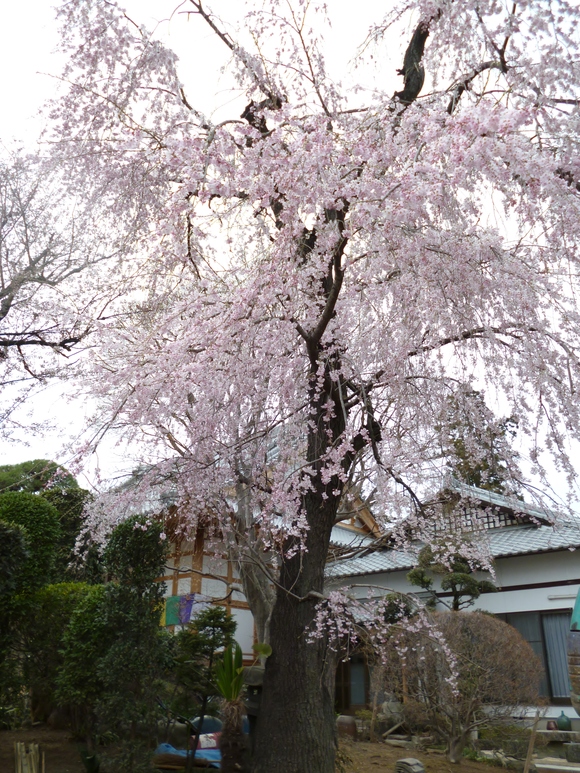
505	541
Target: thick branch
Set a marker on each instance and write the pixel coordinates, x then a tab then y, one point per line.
338	275
466	335
413	71
569	178
464	83
234	48
36	339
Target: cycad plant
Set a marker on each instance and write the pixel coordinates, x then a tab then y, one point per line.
230	683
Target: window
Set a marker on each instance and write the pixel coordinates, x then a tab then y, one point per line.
352	685
547	632
556	627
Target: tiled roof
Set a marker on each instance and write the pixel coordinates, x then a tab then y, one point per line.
520	540
371	563
505	541
347	538
517	506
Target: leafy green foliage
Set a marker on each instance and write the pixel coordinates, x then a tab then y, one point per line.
130	671
397	607
262	649
230	673
135	554
35	476
230	683
479	451
457	579
38	529
39	520
70	502
133	665
195	658
114	650
13	556
85	641
40	640
57	486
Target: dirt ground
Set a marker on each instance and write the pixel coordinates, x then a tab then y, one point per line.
62	755
378	757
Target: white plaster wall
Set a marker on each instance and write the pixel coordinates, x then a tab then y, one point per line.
532	600
215	565
215	589
363	586
542	567
183	586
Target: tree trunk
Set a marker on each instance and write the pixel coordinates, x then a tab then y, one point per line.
247	554
295	731
456	747
296	728
259	595
233	743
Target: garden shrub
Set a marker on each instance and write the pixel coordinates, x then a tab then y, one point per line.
475	675
39	520
40	640
115	653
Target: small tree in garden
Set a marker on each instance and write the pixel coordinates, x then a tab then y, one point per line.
30	531
55	484
79	683
315	275
45	502
39	521
197	651
131	667
456	575
478	676
38	639
13	556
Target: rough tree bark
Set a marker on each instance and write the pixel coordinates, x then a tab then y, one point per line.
296	727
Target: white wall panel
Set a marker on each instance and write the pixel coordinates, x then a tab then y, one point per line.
245	629
215	589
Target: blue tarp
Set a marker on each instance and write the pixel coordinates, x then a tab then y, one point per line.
212	755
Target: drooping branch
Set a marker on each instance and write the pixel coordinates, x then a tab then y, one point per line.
474	333
239	52
464	83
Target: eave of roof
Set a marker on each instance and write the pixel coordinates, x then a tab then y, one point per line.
512	503
525	539
348	538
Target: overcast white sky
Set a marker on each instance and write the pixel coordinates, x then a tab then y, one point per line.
28	38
